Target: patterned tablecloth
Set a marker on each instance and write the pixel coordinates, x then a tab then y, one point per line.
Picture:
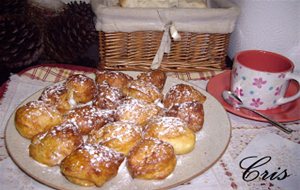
249	138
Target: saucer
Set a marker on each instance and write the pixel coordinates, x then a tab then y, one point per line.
283	113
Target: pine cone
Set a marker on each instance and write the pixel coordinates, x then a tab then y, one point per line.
21	42
42	11
70	34
13	7
81	9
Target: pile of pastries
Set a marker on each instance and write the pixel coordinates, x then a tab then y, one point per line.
89	127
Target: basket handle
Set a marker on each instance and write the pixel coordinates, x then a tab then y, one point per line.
165	44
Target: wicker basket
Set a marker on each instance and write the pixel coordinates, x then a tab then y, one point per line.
135	50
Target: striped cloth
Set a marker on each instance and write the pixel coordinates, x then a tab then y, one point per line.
56	73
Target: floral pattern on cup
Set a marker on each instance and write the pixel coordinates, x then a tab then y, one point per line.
259	82
256	102
278	90
282	75
259	85
239	92
234	72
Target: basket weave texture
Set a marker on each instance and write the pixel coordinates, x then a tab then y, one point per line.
136	50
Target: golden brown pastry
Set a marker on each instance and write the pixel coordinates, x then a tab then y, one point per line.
142	90
108	97
58	96
172	130
181	93
81	88
91	165
136	111
52	146
113	78
88	118
36	117
151	159
156	77
190	112
120	136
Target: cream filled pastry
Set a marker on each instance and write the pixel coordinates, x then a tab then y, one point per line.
172	130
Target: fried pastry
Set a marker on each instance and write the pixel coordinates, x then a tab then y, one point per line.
136	111
156	77
172	130
142	90
36	117
120	136
181	93
88	118
151	159
113	78
88	127
58	96
52	146
190	112
91	165
108	97
81	88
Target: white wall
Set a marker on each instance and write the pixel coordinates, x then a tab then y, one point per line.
272	25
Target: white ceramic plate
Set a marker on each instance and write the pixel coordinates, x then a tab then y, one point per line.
211	143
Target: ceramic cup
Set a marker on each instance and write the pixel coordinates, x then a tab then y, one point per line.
260	79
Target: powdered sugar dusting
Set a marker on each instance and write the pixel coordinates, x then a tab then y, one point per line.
190	112
182	93
122	129
78	78
116	131
111	93
167	125
144	87
89	117
149	151
52	146
53	92
108	97
155	77
113	78
132	109
102	154
40	108
64	128
174	91
113	74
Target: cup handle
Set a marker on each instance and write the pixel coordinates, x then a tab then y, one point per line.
290	76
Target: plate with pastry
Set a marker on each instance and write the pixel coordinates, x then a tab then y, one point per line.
118	130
